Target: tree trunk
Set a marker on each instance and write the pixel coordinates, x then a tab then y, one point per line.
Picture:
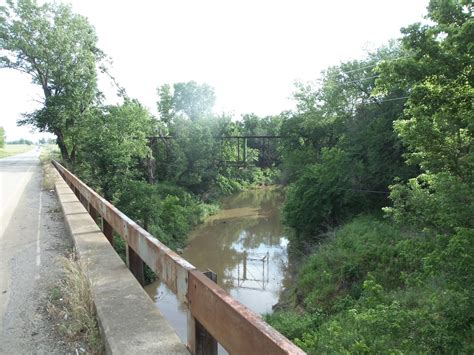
72	158
151	166
150	162
62	147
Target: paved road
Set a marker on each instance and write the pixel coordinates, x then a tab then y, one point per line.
32	235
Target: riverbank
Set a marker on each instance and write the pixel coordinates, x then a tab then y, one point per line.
372	286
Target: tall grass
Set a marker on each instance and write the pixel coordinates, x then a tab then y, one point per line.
71	302
48	153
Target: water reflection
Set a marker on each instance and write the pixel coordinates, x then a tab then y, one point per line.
246	246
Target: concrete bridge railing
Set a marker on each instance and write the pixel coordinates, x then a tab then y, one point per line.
213	315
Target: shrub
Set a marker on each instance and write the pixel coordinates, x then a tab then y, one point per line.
321	196
373	288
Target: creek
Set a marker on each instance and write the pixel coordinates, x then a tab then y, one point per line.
245	245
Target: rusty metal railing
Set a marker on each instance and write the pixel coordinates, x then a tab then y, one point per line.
213	315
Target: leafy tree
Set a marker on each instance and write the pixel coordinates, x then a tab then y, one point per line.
342	115
165	104
437	124
340	106
195	100
141	202
58	49
320	197
194	156
117	143
2	137
375	286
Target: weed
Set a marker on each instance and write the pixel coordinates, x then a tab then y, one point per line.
71	302
47	154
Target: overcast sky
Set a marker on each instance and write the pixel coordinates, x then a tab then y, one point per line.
251	52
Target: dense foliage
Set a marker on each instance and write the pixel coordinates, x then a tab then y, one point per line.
341	153
372	287
403	284
392	132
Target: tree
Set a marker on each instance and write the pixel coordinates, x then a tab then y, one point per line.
193	164
341	115
165	104
2	137
194	100
437	124
117	143
141	202
58	49
187	98
190	158
319	198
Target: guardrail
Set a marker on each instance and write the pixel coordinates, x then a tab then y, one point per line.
213	315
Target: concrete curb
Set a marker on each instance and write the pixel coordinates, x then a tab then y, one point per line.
129	322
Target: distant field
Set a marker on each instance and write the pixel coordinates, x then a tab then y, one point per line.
13	149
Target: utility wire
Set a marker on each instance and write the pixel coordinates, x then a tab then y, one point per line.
378	101
373	65
370	102
359	80
359	69
394	99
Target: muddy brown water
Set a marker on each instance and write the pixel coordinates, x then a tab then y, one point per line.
245	244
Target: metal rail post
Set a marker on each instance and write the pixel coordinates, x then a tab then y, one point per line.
93	212
200	341
238	150
108	231
245	150
136	266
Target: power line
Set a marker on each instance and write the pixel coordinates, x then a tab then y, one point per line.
373	65
359	80
394	99
370	102
359	69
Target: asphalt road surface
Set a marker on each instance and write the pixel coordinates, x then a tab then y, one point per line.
32	236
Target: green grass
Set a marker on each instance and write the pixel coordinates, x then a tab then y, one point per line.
14	149
48	152
373	287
